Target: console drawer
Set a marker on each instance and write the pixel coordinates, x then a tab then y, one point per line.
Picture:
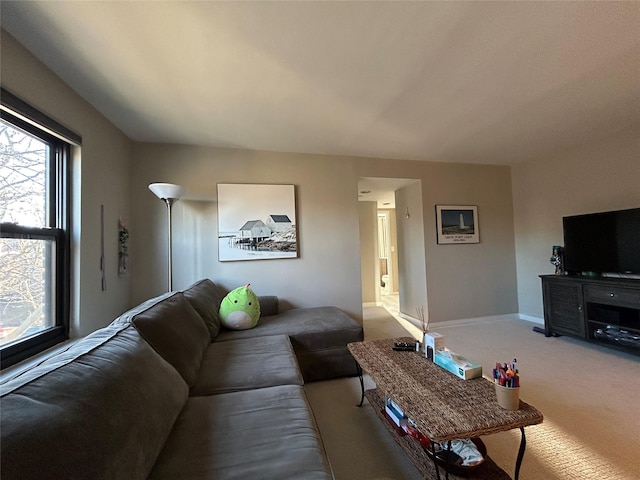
612	294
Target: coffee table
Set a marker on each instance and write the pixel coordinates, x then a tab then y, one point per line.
442	406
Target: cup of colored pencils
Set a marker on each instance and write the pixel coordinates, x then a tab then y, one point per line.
507	383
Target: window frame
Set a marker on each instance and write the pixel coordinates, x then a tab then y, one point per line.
60	140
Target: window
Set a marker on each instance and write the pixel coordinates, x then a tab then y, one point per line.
34	231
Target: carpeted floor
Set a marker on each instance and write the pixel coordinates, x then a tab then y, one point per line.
589	396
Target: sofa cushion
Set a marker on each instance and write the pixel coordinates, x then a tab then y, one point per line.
267	433
319	336
205	296
247	363
102	409
323	326
175	330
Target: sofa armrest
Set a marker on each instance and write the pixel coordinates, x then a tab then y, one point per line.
268	305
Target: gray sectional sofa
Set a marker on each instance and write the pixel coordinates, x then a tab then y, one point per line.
164	392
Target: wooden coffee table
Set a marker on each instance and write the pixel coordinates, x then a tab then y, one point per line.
443	406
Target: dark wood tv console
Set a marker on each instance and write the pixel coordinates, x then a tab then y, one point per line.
601	310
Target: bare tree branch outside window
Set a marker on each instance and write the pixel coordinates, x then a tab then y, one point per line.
24	263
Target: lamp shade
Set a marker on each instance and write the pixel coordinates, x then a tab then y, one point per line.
167	190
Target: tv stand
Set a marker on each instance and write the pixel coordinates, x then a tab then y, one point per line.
602	310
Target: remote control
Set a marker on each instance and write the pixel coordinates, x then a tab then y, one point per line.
404	346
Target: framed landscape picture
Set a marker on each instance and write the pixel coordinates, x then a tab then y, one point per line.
457	224
256	222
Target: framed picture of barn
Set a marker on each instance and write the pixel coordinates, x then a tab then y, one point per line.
256	222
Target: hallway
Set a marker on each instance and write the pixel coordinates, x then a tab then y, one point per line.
385	321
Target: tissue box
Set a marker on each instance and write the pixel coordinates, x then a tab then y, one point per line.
457	364
434	340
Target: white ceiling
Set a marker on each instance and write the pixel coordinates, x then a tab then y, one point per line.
473	82
381	190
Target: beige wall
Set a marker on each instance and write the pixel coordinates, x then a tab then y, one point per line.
101	177
476	279
601	176
412	268
327	271
464	281
369	271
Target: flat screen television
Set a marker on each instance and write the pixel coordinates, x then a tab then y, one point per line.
602	243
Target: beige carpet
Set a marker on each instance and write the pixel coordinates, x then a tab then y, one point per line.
379	324
589	395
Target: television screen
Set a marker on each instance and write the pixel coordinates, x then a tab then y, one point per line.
607	242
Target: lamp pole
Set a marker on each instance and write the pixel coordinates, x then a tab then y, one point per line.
169	194
170	202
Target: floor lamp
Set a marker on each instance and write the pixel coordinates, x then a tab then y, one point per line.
169	194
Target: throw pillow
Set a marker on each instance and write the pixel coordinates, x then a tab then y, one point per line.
240	309
205	296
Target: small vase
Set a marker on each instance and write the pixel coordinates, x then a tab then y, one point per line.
556	259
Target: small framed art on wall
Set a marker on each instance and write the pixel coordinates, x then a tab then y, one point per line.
457	224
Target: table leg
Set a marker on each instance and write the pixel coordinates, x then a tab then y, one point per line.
523	444
433	457
446	463
359	370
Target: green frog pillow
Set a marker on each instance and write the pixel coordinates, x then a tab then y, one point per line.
240	309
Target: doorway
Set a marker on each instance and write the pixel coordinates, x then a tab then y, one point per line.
387	260
392	246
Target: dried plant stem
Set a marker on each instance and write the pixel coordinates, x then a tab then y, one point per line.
423	322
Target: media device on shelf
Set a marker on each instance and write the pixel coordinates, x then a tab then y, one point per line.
603	244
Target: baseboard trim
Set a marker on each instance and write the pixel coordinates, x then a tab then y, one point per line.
474	321
471	321
412	320
531	318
